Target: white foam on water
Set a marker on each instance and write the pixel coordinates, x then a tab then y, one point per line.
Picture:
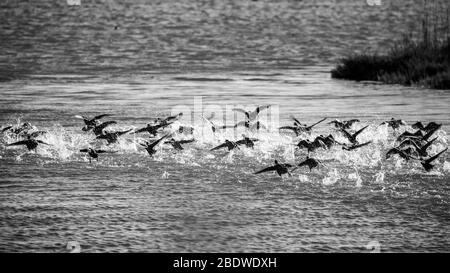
303	178
165	175
331	178
65	144
379	177
446	167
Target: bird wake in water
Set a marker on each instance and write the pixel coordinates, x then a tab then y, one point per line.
349	150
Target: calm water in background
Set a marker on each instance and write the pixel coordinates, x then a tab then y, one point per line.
58	61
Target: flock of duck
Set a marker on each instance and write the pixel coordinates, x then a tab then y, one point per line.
410	145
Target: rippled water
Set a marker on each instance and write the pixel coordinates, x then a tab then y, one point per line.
60	61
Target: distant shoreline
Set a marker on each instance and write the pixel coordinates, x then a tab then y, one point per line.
410	64
421	59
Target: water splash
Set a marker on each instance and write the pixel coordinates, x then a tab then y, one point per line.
65	144
331	178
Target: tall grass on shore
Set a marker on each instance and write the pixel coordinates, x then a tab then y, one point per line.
422	61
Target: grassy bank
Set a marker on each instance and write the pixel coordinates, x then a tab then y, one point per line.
422	62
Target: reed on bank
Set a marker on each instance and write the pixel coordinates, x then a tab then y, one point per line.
423	61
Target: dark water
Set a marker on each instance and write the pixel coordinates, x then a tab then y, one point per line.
58	61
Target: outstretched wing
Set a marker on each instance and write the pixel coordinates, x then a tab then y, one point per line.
418	125
408	142
223	145
241	123
105	124
346	134
208	119
84	150
42	142
22	142
247	115
433	158
144	129
288	128
432	125
186	141
351	121
425	147
124	132
104	151
239	110
304	163
268	169
153	144
316	123
6	128
101	116
360	131
296	120
430	133
173	117
362	145
260	108
240	142
36	134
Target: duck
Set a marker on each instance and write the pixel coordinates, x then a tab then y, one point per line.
93	153
353	137
405	153
177	143
227	144
310	162
311	146
150	147
355	146
279	168
30	143
112	137
90	123
299	128
98	129
430	126
251	115
426	163
394	123
248	142
344	124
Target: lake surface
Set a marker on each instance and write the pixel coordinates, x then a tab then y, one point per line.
138	60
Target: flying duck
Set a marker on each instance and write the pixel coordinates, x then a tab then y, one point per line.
279	168
344	124
177	143
150	147
354	146
352	137
94	153
394	123
430	126
112	137
90	123
228	144
250	116
426	163
248	142
30	143
98	129
310	162
311	146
